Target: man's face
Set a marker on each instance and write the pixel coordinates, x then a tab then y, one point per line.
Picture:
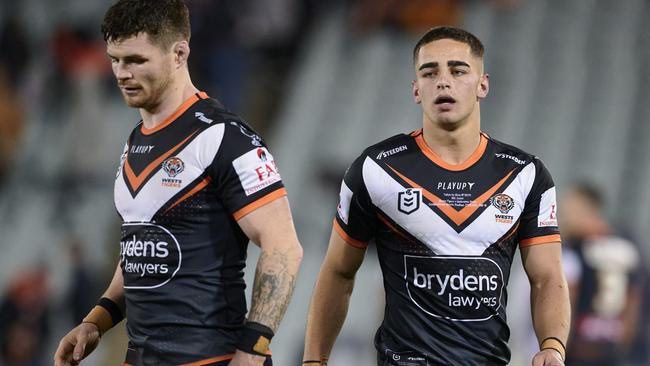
144	71
449	82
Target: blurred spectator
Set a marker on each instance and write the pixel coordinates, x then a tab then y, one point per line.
24	327
414	15
604	282
83	291
14	57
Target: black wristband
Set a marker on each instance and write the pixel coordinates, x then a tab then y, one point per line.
112	308
255	339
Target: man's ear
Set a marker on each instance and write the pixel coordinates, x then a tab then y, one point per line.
181	53
483	86
416	92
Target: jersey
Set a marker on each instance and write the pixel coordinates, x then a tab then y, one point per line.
609	268
445	237
179	191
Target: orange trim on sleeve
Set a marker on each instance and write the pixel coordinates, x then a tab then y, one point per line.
476	155
210	360
185	106
347	238
278	193
546	239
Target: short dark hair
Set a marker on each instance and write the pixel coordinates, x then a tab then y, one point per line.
165	21
447	32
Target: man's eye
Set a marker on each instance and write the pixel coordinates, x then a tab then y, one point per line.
458	72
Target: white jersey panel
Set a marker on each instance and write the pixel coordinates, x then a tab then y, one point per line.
197	156
429	228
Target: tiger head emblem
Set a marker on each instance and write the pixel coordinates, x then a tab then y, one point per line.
503	202
173	166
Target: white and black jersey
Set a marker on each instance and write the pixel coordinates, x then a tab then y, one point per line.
180	190
445	237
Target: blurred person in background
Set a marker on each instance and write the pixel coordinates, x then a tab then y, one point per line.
195	183
24	325
14	58
446	207
605	290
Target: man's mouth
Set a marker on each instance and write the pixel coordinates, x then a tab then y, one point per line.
444	99
129	89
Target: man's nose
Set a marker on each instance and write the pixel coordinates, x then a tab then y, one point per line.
121	72
443	83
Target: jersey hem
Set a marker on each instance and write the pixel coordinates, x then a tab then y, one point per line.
278	193
347	238
546	239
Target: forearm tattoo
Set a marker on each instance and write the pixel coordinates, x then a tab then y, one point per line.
272	289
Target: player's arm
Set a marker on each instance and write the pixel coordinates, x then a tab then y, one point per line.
549	298
330	300
83	339
271	227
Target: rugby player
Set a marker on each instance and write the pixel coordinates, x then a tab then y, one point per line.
194	184
446	207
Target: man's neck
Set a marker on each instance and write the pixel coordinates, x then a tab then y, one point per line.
174	96
453	146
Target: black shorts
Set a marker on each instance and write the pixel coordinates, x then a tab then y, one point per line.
135	357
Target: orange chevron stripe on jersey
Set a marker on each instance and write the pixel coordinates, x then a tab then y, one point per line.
476	155
202	184
185	106
392	227
136	180
458	217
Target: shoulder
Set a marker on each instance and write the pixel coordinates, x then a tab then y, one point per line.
391	147
502	150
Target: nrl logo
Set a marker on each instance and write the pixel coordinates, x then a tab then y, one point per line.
408	201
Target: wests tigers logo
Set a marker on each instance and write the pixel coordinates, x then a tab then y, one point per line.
503	202
173	166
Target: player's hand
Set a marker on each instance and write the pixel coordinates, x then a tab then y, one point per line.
76	345
548	357
246	359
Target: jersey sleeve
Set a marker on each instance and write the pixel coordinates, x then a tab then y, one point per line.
538	223
244	170
355	219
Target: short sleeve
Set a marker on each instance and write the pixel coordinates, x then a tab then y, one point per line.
355	215
538	224
244	170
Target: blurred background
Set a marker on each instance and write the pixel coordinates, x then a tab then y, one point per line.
321	80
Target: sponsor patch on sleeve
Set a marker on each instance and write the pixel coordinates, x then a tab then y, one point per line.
547	209
345	197
256	170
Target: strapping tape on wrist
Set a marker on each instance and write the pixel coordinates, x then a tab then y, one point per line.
555	344
105	315
255	339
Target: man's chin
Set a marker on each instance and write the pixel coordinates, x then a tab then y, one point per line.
133	102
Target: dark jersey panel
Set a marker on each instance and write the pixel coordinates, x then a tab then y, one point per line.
445	236
182	251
